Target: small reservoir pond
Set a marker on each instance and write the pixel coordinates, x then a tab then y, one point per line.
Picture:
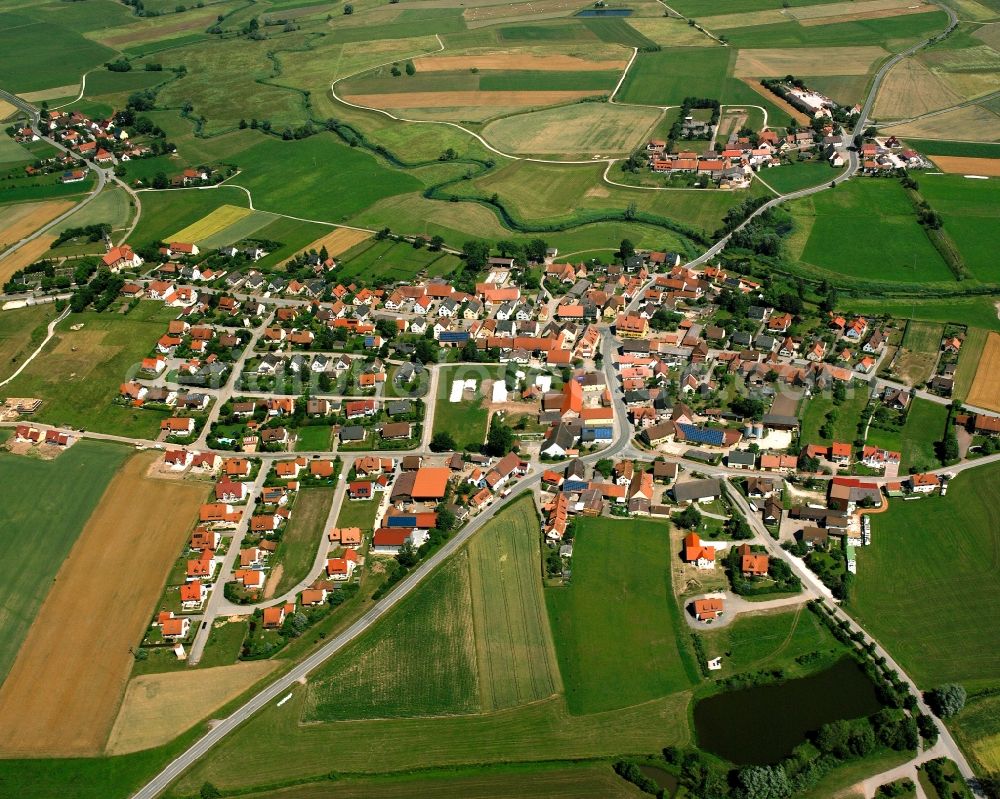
761	725
605	12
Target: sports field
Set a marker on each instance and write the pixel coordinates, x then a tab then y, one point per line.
619	609
116	571
985	390
575	130
943	546
828	226
159	707
46	504
301	540
513	642
419	661
79	371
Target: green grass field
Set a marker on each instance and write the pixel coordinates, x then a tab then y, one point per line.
318	178
358	513
373	261
978	311
792	177
668	76
466	420
968	360
421	660
542	781
79	372
46	505
969	209
513	642
768	640
166	212
893	33
619	609
927	560
301	540
957	148
848	414
21	331
112	206
26	45
314	438
829	225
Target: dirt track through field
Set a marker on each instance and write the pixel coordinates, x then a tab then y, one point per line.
63	692
467	98
159	707
954	164
33	251
794	113
985	391
816	61
17	221
515	61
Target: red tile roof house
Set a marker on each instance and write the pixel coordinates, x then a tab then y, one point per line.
175	629
177	426
342	568
177	459
227	490
708	609
703	557
389	540
192	595
360	489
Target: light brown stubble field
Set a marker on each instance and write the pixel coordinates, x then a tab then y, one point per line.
63	692
985	391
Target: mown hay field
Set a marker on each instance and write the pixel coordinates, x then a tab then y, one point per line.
968	361
217	220
985	391
910	89
620	593
515	61
339	241
18	221
989	167
159	707
513	643
466	99
21	331
669	32
95	612
419	661
25	255
576	130
814	61
243	228
978	124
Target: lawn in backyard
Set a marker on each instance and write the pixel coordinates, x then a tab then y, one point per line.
847	415
300	541
78	373
313	438
358	513
927	559
620	592
46	505
916	441
830	225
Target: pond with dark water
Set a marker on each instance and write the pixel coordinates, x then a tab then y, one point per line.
605	12
761	725
667	781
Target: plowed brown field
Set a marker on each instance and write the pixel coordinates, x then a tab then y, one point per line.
63	692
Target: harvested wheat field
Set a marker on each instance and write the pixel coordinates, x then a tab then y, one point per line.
540	8
221	218
55	93
744	19
17	221
98	607
985	391
159	707
33	251
883	14
340	240
813	61
791	110
910	89
6	109
975	122
515	61
990	167
467	98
